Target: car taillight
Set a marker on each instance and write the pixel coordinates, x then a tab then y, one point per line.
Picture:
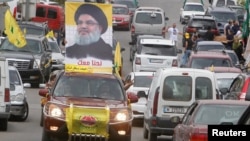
244	90
138	61
175	63
155	104
191	29
199	135
132	29
7	95
163	31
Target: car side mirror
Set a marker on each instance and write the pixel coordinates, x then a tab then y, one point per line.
166	18
224	91
141	94
132	98
43	92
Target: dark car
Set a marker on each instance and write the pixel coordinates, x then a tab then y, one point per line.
222	15
87	106
33	61
194	124
199	24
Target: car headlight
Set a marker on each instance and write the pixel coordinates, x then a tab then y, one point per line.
55	111
19	97
123	115
37	63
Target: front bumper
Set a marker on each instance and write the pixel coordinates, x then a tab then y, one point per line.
17	110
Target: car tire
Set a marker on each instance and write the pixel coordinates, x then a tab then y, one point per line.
3	124
145	132
41	118
152	136
25	114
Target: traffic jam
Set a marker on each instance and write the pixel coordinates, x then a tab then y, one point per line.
185	79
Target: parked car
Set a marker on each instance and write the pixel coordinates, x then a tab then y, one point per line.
18	98
141	82
120	17
156	53
171	92
189	9
194	124
33	61
58	55
95	104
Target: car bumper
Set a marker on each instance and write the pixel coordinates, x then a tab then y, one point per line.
121	25
17	110
5	113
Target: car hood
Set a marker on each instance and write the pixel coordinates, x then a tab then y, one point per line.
189	13
89	102
19	55
57	56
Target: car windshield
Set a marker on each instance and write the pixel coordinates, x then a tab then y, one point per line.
54	47
164	50
224	82
209	47
148	18
219	112
203	23
201	63
142	81
14	78
32	46
193	8
120	10
30	30
88	87
223	16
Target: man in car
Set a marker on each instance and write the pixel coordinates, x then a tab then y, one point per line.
91	24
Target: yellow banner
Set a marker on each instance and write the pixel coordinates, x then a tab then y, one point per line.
88	120
13	31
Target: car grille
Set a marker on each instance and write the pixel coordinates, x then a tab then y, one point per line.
19	64
87	137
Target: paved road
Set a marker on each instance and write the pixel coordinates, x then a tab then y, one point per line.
30	129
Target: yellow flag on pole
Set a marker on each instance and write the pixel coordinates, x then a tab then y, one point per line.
117	58
13	31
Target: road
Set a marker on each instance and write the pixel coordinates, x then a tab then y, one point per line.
30	129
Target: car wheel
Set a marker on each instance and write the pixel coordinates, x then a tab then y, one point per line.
145	132
3	124
41	118
152	136
25	113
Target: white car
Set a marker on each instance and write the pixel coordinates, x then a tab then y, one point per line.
189	9
57	55
142	82
153	54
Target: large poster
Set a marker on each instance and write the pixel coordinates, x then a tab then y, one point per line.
88	30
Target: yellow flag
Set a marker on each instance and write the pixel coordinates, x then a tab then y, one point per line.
13	31
117	58
50	34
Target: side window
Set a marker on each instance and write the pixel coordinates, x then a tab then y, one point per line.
52	13
237	85
186	117
41	12
203	88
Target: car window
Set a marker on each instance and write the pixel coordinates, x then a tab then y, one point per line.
188	114
83	86
177	88
31	30
14	78
203	88
234	58
142	81
54	47
151	49
148	18
203	23
237	85
223	16
220	114
201	63
193	8
224	82
209	47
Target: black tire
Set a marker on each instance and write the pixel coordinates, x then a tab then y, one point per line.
41	118
25	114
152	136
3	124
145	132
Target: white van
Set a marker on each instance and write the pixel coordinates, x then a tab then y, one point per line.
171	92
5	103
221	3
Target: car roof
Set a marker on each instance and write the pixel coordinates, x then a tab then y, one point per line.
99	75
222	9
209	43
185	70
150	36
146	8
229	102
218	69
207	17
157	41
209	54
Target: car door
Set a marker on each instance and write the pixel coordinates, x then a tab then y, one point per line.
236	87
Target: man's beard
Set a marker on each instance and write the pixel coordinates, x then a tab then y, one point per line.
87	39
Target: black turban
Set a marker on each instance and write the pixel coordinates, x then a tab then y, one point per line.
95	12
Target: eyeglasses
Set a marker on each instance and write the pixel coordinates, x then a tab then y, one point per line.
88	23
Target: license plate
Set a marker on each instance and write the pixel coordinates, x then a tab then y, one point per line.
156	61
174	110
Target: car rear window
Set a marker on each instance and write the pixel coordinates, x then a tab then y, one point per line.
163	50
148	18
203	23
193	8
210	47
219	113
120	10
142	81
87	86
224	16
201	63
32	30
